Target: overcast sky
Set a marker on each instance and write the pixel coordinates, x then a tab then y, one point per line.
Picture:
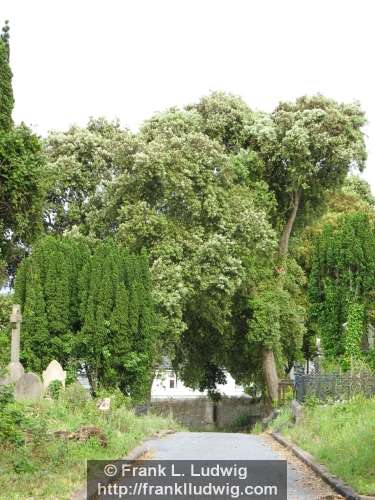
73	59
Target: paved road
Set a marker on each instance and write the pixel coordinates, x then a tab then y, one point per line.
302	483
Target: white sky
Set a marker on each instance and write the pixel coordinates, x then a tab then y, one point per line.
129	58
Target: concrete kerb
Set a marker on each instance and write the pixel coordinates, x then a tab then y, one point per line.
336	483
88	491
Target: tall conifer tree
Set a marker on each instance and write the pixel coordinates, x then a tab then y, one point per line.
6	91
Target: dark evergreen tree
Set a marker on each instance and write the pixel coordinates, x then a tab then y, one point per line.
94	341
21	190
118	337
53	284
35	342
6	90
89	305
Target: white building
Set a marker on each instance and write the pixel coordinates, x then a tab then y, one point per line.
166	385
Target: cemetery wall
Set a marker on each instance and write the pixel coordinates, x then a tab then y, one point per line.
204	414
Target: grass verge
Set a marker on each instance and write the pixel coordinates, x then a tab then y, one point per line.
42	466
341	436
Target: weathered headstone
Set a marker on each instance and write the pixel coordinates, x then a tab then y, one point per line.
15	369
53	372
104	404
29	388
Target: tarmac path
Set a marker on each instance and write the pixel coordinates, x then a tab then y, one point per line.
303	484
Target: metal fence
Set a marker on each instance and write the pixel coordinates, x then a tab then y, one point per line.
333	387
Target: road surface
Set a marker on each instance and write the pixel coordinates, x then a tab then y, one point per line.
303	484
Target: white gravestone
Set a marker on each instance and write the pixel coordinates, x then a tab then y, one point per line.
53	372
15	368
29	388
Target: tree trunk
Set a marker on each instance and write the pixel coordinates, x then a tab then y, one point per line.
270	374
269	364
92	375
284	240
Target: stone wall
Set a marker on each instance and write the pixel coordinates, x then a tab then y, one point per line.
192	412
202	413
239	411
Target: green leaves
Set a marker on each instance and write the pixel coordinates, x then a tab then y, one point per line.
6	91
309	145
353	333
89	305
341	283
20	190
206	190
79	165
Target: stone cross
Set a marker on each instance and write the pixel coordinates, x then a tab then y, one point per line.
15	368
15	320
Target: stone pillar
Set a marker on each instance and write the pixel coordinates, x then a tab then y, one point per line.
15	320
15	368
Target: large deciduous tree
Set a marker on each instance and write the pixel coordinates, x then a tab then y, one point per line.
79	164
308	148
201	188
193	207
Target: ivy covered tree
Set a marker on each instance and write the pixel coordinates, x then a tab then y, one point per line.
5	311
21	192
308	147
354	196
6	90
342	285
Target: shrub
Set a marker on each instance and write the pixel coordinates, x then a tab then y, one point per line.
283	419
118	398
12	418
311	401
75	396
54	389
257	428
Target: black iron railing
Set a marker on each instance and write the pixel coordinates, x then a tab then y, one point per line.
333	387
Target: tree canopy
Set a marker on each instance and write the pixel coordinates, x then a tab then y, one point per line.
212	191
